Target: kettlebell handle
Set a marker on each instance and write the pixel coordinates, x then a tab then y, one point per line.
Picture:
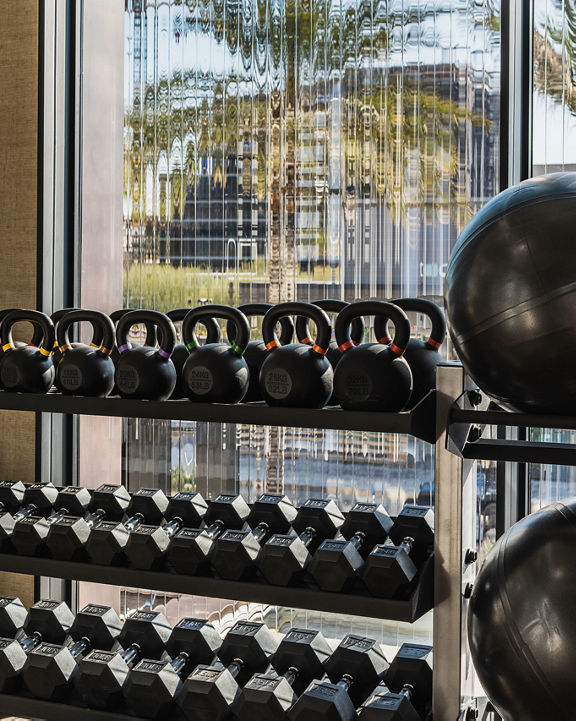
418	305
36	332
166	330
376	308
232	315
211	324
57	316
102	327
33	316
297	308
251	310
330	305
150	327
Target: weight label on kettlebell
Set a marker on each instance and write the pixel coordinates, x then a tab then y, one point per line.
127	379
278	383
358	386
71	377
10	376
200	380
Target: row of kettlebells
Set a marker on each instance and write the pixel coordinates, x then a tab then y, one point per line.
387	375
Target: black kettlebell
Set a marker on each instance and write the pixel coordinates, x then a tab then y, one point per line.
180	352
331	305
296	375
256	352
83	369
372	376
56	317
27	369
149	342
145	372
216	372
422	355
36	332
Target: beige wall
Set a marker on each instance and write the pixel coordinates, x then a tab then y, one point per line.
18	217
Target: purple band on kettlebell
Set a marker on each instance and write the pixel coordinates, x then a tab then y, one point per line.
126	346
163	353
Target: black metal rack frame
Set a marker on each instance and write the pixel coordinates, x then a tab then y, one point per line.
26	707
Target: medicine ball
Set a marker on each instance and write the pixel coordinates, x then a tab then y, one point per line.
510	296
521	621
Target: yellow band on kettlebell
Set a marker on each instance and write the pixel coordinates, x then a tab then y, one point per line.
55	345
7	346
94	345
44	351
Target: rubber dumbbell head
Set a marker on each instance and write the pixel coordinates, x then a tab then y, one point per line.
12	616
38	501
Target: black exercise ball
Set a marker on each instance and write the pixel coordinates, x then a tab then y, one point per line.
510	296
522	618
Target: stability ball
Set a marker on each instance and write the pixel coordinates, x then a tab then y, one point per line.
522	618
510	296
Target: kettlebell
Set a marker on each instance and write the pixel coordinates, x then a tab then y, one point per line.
83	369
422	355
36	332
27	369
296	375
149	342
56	317
256	351
216	372
145	372
180	352
331	305
372	376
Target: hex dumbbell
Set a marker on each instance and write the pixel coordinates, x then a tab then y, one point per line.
102	675
389	569
336	562
50	668
37	501
153	685
236	551
190	549
147	545
299	659
284	559
67	537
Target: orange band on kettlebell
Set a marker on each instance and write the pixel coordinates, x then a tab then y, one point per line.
356	343
319	350
433	343
7	346
346	345
384	340
44	351
396	349
63	348
306	340
104	350
272	344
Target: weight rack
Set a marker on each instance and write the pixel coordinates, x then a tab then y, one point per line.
445	417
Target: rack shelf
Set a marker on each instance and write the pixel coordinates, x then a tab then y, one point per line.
419	599
23	706
420	421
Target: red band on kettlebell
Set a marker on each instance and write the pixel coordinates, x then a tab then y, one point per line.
163	353
346	345
105	351
272	344
306	340
433	343
317	349
355	343
126	346
384	340
396	349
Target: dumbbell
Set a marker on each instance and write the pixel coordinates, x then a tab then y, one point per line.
47	621
153	685
389	569
147	544
29	535
283	559
235	552
406	694
50	667
107	541
335	564
354	669
300	658
38	499
102	675
209	692
12	616
190	549
67	537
